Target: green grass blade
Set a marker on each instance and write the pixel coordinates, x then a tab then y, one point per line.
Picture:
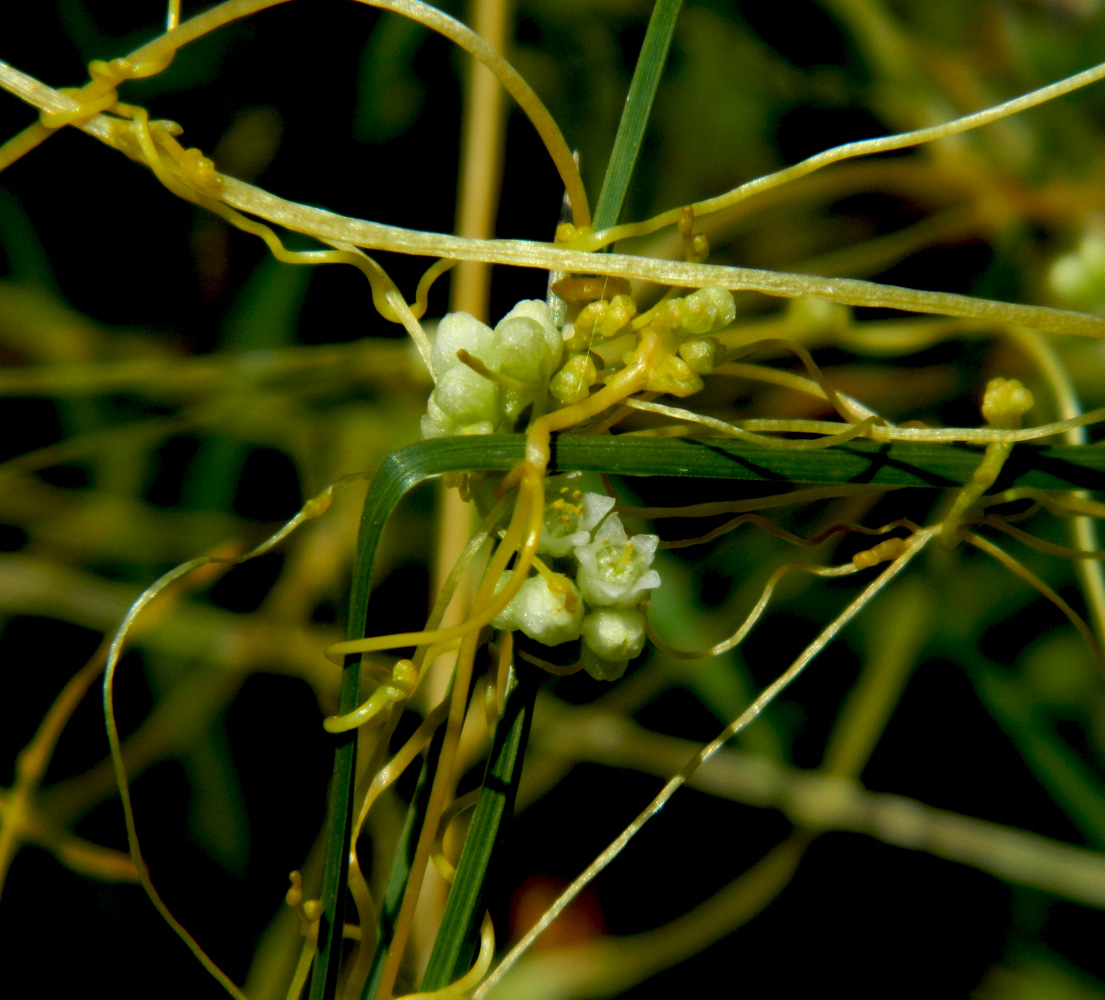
458	935
940	466
455	945
918	465
638	107
339	822
400	868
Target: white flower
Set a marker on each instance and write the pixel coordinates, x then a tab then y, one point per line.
526	346
614	570
570	517
548	614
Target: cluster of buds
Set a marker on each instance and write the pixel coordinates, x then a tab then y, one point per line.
690	320
687	321
595	592
485	379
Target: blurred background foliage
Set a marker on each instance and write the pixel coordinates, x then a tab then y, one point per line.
168	389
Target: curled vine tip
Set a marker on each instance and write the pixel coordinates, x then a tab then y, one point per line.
404	679
1003	404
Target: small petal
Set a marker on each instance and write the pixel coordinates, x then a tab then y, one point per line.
595	507
436	422
455	332
538	310
600	669
520	351
466	396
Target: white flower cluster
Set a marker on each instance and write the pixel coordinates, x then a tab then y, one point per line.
605	575
524	349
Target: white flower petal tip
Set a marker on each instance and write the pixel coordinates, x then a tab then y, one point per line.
595	507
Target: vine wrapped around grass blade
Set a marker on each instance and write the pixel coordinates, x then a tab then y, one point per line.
547	428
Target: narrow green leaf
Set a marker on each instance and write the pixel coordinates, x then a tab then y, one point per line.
918	465
942	466
400	868
455	945
638	107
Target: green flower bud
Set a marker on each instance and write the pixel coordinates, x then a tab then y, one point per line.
708	310
573	382
700	353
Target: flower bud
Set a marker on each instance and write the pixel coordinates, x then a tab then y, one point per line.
466	396
708	310
520	351
700	353
573	382
538	311
455	332
614	633
549	613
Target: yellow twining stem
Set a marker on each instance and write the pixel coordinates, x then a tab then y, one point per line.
680	778
403	680
521	537
1018	569
312	508
459	989
1003	405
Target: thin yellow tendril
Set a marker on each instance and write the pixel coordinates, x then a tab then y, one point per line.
313	508
917	543
403	680
1036	583
732	430
458	990
444	866
1063	551
754	615
849	150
